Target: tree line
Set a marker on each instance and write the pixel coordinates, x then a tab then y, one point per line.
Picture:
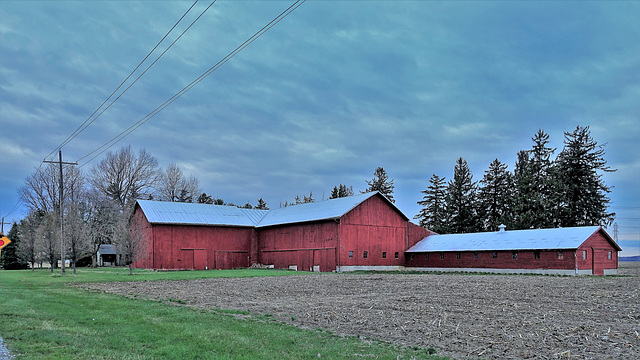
541	192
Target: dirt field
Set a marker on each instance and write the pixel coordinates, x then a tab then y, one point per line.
462	316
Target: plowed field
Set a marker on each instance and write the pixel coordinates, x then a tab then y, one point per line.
462	316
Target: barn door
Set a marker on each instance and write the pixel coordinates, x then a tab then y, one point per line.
598	262
200	259
193	259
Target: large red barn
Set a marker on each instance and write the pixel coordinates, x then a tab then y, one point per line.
353	233
587	250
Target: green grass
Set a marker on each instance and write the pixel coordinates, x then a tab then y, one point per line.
43	318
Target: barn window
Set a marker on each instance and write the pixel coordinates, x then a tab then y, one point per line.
413	256
397	255
494	254
350	254
475	255
384	254
514	254
365	254
609	255
441	256
584	254
560	255
536	254
458	255
426	256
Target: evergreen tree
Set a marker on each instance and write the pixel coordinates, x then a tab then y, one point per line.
10	257
461	200
308	199
523	183
381	184
581	192
496	197
433	215
341	191
204	199
534	185
262	205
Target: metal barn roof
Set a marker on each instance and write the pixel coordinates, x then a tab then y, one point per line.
544	239
322	210
106	249
162	212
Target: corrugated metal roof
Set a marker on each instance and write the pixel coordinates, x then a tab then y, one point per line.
547	239
162	212
106	249
322	210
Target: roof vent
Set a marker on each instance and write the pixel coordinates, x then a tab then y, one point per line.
502	227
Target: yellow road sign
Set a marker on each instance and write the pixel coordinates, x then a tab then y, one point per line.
4	241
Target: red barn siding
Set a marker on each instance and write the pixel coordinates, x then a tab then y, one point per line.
505	260
375	227
196	247
597	248
303	245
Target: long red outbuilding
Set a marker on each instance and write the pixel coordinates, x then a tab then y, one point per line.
362	232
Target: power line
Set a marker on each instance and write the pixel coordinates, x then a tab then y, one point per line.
89	120
168	102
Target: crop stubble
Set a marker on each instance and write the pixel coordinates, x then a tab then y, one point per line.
462	316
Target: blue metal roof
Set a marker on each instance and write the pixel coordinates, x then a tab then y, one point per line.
536	239
163	212
322	210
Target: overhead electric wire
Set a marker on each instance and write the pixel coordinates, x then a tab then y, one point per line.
89	120
168	102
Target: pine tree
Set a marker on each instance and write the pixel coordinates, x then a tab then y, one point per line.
461	200
381	184
433	214
262	205
341	191
496	197
10	257
582	194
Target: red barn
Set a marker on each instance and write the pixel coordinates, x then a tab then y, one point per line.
353	233
585	250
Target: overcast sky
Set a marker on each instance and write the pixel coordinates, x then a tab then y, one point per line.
330	93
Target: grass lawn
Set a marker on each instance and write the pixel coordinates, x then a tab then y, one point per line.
43	318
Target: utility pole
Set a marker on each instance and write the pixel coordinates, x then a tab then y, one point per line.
61	207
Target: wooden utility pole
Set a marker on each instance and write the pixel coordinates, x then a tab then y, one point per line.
61	207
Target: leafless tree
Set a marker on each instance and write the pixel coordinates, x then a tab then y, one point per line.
48	238
175	187
29	232
124	176
101	216
41	190
132	237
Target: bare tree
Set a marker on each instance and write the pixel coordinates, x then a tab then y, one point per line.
132	237
124	176
102	216
48	238
175	187
41	190
28	228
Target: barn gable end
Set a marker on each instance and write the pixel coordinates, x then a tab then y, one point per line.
314	236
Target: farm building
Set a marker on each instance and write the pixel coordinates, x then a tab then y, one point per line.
585	250
360	232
